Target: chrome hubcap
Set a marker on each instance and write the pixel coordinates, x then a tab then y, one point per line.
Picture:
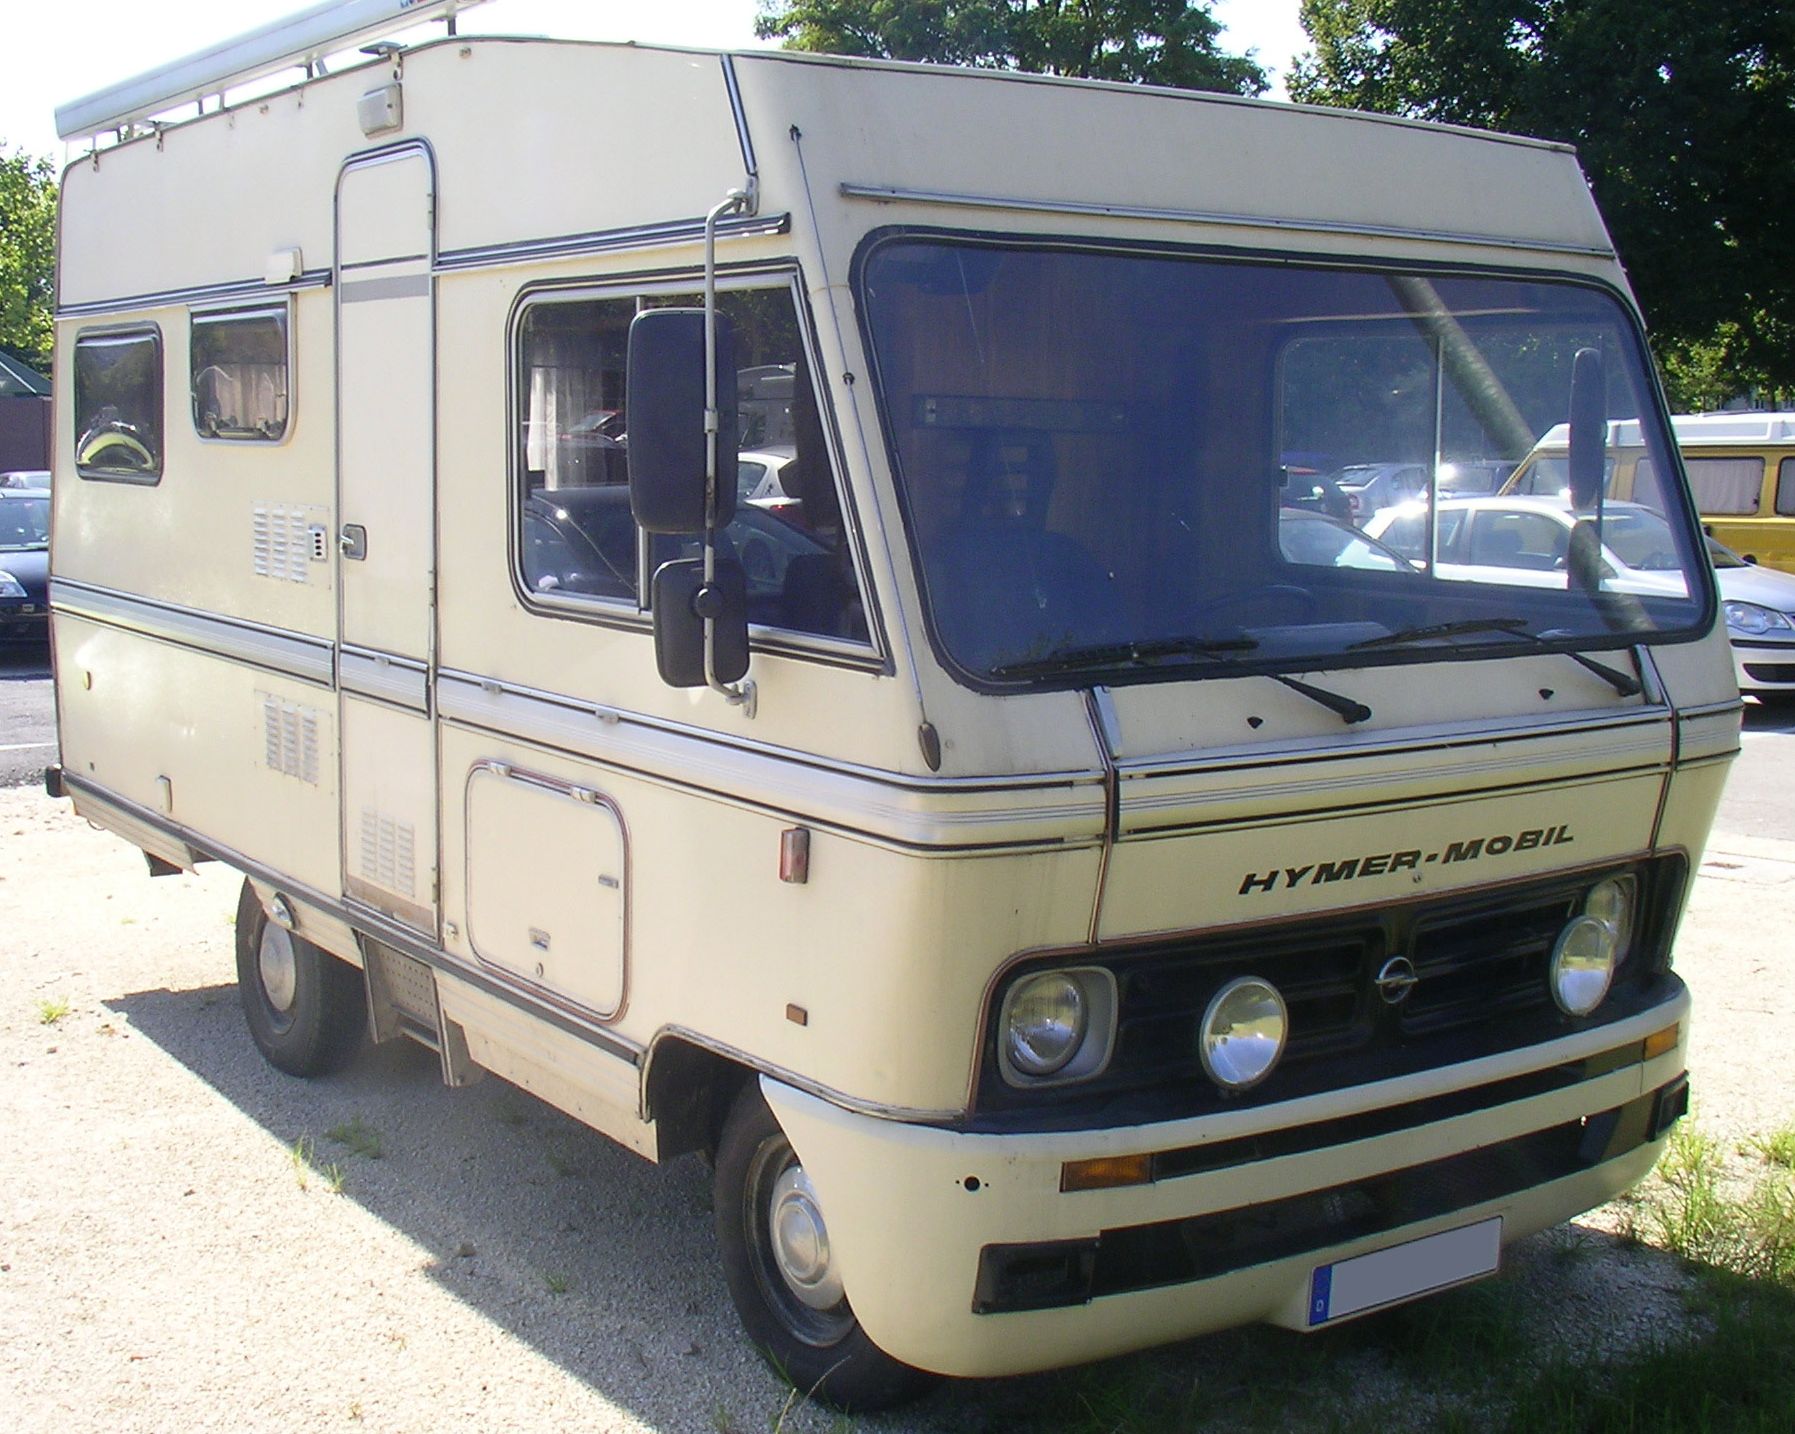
801	1242
278	967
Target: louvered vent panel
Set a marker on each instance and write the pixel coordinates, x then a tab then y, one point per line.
290	738
388	853
285	541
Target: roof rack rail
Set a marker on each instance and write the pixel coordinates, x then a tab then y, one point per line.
300	39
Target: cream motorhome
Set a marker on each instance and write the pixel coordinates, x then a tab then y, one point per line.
1079	898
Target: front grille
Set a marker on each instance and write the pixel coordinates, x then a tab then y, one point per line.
1480	961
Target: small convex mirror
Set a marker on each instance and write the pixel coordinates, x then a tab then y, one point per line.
682	601
664	411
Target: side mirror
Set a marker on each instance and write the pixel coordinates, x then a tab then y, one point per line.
1589	429
664	411
682	602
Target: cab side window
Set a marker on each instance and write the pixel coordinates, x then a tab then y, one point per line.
1785	488
576	537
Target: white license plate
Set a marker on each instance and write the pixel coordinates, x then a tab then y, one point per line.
1417	1267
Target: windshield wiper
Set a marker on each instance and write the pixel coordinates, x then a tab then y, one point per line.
1121	654
1207	649
1510	627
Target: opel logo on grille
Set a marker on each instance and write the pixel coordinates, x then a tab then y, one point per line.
1395	979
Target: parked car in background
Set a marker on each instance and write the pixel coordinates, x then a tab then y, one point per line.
1741	469
1525	541
24	565
1372	486
1758	605
760	475
26	478
1469	477
1317	540
1529	537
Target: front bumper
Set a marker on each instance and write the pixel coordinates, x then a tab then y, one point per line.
1764	667
22	621
961	1253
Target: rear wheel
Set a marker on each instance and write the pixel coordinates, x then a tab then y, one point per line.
782	1275
306	1009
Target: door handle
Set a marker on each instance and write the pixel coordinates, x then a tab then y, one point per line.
353	541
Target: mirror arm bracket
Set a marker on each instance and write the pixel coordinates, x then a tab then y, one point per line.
738	694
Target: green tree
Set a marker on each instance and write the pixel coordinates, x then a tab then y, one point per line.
1158	42
27	257
1683	116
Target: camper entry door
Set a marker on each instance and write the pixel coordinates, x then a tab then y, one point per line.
386	530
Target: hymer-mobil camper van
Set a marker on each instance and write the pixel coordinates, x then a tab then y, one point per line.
1079	895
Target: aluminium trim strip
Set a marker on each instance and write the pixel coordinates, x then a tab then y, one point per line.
641	236
365	922
401	680
291	654
912	818
198	294
1445	737
891	194
1420	801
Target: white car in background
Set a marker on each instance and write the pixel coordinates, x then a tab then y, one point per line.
759	480
1524	540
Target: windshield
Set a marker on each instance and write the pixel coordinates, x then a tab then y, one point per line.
24	523
1103	454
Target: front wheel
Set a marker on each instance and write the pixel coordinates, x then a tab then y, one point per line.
782	1275
306	1010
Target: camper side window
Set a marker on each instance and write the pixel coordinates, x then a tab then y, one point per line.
118	405
239	369
575	537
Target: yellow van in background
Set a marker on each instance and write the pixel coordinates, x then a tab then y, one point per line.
1741	470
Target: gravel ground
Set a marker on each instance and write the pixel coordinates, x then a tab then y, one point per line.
167	1260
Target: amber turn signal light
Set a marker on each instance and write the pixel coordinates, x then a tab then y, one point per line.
1106	1172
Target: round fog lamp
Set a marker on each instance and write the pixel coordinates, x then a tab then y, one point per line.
1583	964
1243	1033
1046	1024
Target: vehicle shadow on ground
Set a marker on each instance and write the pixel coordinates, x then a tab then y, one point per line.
608	1266
1769	716
24	664
597	1259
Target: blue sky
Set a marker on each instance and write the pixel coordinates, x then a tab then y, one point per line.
59	52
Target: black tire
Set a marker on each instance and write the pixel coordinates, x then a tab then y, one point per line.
823	1352
307	1011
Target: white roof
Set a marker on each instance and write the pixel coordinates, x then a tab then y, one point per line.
1693	430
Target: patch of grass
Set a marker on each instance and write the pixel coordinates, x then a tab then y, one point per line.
301	1156
52	1011
358	1137
1692	1213
1779	1149
1739	1378
335	1177
555	1284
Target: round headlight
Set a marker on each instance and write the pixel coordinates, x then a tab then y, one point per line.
1047	1019
1243	1033
1751	618
1583	964
1611	901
